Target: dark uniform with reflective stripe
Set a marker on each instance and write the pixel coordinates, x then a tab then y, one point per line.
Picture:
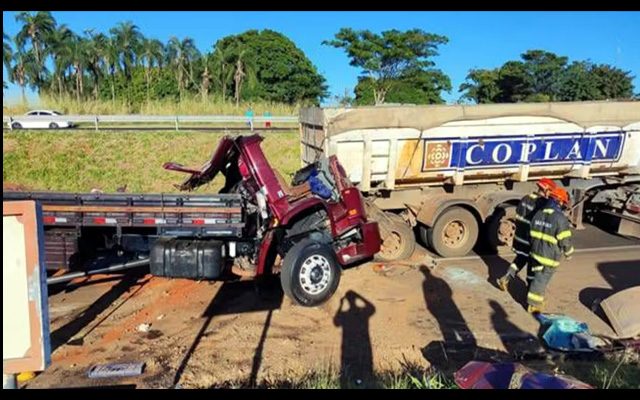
521	243
550	239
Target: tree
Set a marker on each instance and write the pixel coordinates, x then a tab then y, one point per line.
344	100
283	73
544	70
24	70
7	52
612	82
36	28
151	53
222	69
543	76
182	54
59	41
127	38
386	58
481	86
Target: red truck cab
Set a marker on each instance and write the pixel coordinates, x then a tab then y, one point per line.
314	236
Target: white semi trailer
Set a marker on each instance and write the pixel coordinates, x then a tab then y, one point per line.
457	172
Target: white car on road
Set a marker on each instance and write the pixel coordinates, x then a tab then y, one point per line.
41	119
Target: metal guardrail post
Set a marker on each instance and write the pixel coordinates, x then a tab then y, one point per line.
10	123
177	129
96	122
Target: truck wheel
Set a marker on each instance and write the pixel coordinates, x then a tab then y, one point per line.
310	273
398	239
454	233
501	227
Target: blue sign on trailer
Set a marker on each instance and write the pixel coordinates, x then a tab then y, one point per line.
506	151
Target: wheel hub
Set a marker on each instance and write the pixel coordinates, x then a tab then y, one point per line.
454	233
315	274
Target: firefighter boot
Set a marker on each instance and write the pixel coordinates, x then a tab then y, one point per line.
503	283
534	309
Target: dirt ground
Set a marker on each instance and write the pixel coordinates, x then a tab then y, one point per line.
203	334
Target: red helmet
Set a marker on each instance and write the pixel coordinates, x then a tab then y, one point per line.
559	194
546	184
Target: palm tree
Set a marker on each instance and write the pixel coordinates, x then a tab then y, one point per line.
24	70
222	69
127	37
110	52
59	40
6	55
94	59
36	27
182	55
77	58
244	68
151	52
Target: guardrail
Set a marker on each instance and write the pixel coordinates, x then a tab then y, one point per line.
174	120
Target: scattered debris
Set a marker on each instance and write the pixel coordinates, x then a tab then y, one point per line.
116	370
144	328
623	311
566	334
160	317
485	375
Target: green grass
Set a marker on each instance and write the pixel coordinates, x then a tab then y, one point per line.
81	161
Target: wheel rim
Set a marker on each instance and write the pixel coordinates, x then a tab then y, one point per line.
392	244
455	233
315	274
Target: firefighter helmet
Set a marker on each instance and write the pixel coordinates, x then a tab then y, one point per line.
546	184
560	194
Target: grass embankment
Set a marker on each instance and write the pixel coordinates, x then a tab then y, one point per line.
82	161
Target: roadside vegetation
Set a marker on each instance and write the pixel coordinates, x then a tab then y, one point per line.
84	160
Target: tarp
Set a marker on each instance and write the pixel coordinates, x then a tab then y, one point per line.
566	334
584	114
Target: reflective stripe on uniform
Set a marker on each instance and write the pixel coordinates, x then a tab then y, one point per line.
548	211
521	219
569	252
547	262
529	207
522	253
521	240
563	234
538	268
533	195
535	297
514	267
530	278
543	236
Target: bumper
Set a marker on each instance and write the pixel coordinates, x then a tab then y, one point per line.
369	246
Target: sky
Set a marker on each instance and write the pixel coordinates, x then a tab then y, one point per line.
479	39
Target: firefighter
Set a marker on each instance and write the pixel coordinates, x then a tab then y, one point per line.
550	239
526	209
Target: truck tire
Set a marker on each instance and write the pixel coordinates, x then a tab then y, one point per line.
399	243
501	227
310	273
454	233
425	235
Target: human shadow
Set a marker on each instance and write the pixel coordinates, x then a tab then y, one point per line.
62	335
459	344
356	353
498	267
235	297
516	341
